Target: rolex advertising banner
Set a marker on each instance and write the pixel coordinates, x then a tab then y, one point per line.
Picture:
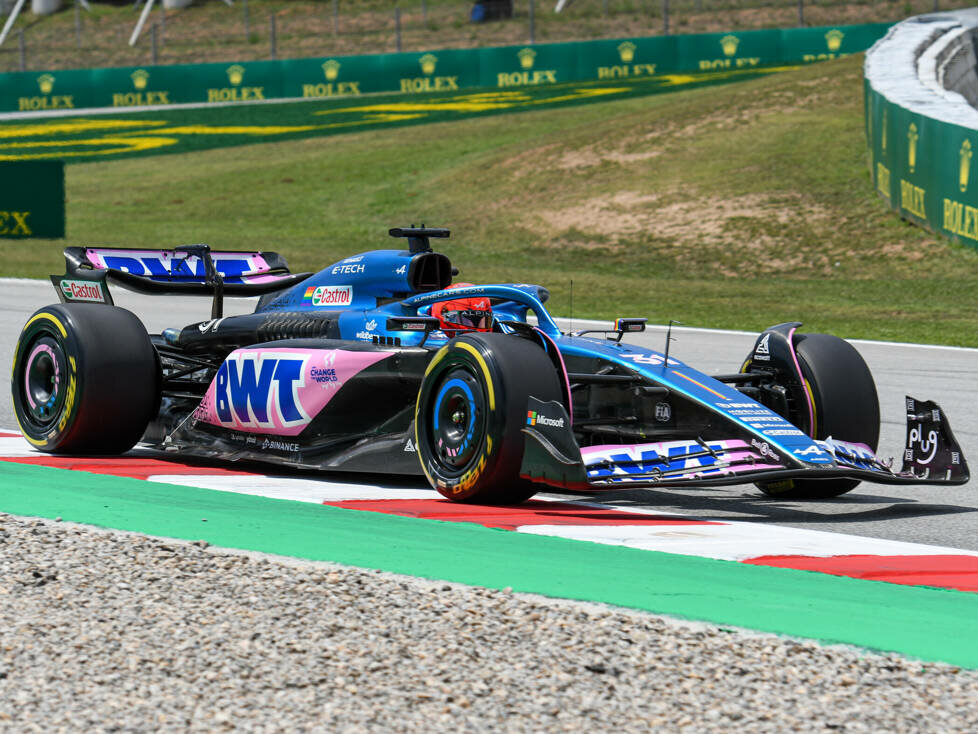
922	168
32	199
506	67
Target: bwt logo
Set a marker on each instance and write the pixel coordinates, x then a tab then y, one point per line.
260	389
156	268
533	419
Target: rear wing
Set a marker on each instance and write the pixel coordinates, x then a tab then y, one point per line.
190	270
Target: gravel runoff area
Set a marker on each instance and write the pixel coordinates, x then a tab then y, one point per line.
108	631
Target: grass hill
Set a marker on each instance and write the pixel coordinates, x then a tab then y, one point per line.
736	206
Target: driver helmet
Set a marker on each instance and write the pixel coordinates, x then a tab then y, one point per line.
463	314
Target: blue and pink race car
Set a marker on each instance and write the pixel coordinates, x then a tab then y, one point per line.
378	363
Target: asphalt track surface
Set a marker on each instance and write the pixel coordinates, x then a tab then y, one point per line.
942	516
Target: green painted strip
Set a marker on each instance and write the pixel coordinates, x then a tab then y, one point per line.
161	131
931	624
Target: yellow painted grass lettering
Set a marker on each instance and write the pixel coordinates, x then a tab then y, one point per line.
237	129
912	198
72	127
108	145
961	219
15	224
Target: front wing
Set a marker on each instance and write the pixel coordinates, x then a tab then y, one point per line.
931	456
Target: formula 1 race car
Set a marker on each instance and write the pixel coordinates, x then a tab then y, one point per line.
356	368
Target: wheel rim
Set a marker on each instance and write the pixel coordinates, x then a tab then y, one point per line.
457	419
44	381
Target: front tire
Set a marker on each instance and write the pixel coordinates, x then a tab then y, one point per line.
846	407
85	379
470	414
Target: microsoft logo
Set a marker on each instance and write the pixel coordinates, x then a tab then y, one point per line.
533	418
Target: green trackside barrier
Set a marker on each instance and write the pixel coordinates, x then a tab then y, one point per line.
922	167
508	67
32	199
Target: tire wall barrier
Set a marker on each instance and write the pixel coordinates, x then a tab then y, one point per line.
508	67
919	84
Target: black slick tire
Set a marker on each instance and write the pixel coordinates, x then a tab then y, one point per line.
846	407
85	379
470	413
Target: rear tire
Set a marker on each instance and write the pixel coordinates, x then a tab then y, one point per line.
85	379
470	414
846	407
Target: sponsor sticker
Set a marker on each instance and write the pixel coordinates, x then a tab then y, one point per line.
275	445
82	290
348	269
533	418
329	295
764	449
762	351
813	449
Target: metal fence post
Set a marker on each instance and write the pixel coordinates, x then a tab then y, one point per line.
271	31
78	30
424	12
247	20
532	19
604	7
397	27
162	22
23	50
336	17
665	17
155	49
801	12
